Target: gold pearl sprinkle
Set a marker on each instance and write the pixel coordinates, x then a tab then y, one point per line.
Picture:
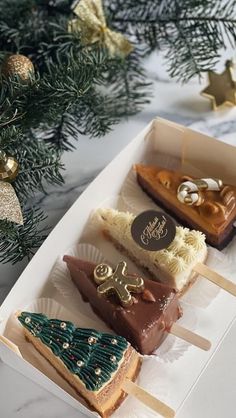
92	340
98	371
66	345
114	341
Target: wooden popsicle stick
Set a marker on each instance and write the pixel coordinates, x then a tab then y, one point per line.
147	399
190	337
10	345
216	278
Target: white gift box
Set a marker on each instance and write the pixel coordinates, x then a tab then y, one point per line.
166	143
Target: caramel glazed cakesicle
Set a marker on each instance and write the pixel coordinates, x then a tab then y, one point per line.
206	204
101	367
173	266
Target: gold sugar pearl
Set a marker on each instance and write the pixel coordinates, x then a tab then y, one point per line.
114	341
63	325
113	359
65	346
98	371
80	363
92	340
27	320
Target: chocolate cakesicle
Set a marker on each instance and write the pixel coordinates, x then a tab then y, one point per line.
205	204
145	322
141	310
101	367
178	265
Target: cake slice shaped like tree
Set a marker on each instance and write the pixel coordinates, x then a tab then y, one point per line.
205	204
101	367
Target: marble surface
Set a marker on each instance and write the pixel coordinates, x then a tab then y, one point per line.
19	397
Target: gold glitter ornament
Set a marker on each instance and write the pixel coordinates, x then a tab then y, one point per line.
18	65
91	23
222	87
9	204
9	167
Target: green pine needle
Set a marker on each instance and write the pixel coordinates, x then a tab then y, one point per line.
83	90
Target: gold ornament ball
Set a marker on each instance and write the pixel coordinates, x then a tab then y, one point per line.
18	65
9	167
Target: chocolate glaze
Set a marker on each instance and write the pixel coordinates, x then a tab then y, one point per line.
145	323
215	217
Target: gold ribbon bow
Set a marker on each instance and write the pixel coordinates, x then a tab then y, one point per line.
91	23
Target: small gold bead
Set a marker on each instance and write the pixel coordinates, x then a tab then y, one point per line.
98	371
65	346
113	359
114	341
63	325
92	340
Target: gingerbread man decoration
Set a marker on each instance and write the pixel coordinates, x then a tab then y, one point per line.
119	282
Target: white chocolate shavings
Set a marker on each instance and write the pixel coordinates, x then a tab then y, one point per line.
165	301
187	248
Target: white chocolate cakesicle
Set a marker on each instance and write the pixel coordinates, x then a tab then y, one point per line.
173	265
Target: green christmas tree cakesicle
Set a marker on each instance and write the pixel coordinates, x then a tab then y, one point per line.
91	355
101	367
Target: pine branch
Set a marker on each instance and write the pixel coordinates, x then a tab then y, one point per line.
63	133
18	242
129	86
190	32
81	89
38	162
75	90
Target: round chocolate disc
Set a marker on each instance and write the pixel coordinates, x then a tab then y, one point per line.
153	230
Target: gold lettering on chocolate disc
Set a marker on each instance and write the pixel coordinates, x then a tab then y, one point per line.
154	230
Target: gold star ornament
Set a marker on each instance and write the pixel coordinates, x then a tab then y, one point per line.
222	87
